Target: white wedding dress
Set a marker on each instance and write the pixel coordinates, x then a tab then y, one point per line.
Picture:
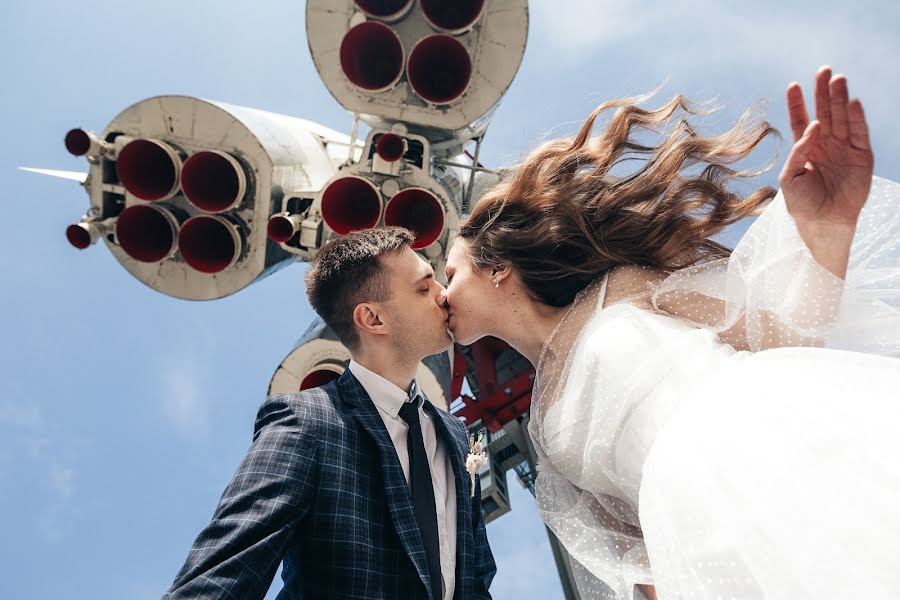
731	430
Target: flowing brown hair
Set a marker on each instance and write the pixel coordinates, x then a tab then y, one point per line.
563	217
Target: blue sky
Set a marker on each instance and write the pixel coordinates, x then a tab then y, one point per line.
123	413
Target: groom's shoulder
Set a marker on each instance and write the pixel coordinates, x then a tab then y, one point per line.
310	409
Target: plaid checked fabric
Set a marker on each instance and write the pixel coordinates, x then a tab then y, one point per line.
321	488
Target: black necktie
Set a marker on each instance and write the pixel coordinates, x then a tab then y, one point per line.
423	491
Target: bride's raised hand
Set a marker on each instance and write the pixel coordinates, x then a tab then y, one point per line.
828	173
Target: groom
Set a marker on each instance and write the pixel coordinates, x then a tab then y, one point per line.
359	486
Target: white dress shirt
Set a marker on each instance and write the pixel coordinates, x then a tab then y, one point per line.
389	398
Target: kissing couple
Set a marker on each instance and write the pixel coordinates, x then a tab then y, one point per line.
709	422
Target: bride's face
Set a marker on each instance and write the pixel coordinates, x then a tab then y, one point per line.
468	296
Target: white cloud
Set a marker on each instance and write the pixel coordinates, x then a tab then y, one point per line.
700	41
62	479
183	382
29	439
49	526
574	28
60	509
34	445
26	427
22	415
57	517
779	37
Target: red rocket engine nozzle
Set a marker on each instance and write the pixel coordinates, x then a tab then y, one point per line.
390	147
149	169
387	10
209	244
213	181
439	69
78	142
372	56
79	235
147	233
84	143
452	17
351	203
82	235
282	228
419	211
318	378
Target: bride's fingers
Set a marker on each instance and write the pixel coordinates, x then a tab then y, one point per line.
823	99
859	129
837	88
797	110
800	153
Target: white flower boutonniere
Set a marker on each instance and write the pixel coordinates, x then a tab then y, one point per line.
476	459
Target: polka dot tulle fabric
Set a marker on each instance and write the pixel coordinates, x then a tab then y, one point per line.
728	430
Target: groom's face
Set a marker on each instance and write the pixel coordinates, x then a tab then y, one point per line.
415	312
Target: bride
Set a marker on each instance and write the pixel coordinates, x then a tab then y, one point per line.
709	423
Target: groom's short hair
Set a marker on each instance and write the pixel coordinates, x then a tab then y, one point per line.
348	271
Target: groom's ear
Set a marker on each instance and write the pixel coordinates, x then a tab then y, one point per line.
366	318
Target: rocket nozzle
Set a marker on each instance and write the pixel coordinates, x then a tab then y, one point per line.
351	203
439	69
419	211
317	378
213	181
209	244
147	233
84	143
452	17
283	227
82	235
387	10
372	56
390	147
149	169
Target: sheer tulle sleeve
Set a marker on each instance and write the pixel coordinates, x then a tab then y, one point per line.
607	555
577	492
771	292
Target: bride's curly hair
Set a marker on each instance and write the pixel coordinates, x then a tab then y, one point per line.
563	217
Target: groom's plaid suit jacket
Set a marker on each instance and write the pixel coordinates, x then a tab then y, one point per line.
322	489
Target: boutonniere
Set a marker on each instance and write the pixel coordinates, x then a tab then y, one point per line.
476	459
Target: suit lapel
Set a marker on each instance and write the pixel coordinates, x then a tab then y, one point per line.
457	448
397	491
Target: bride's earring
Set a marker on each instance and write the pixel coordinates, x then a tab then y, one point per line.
496	283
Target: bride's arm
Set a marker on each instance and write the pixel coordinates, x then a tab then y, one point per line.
783	284
763	331
828	174
648	591
700	296
615	525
